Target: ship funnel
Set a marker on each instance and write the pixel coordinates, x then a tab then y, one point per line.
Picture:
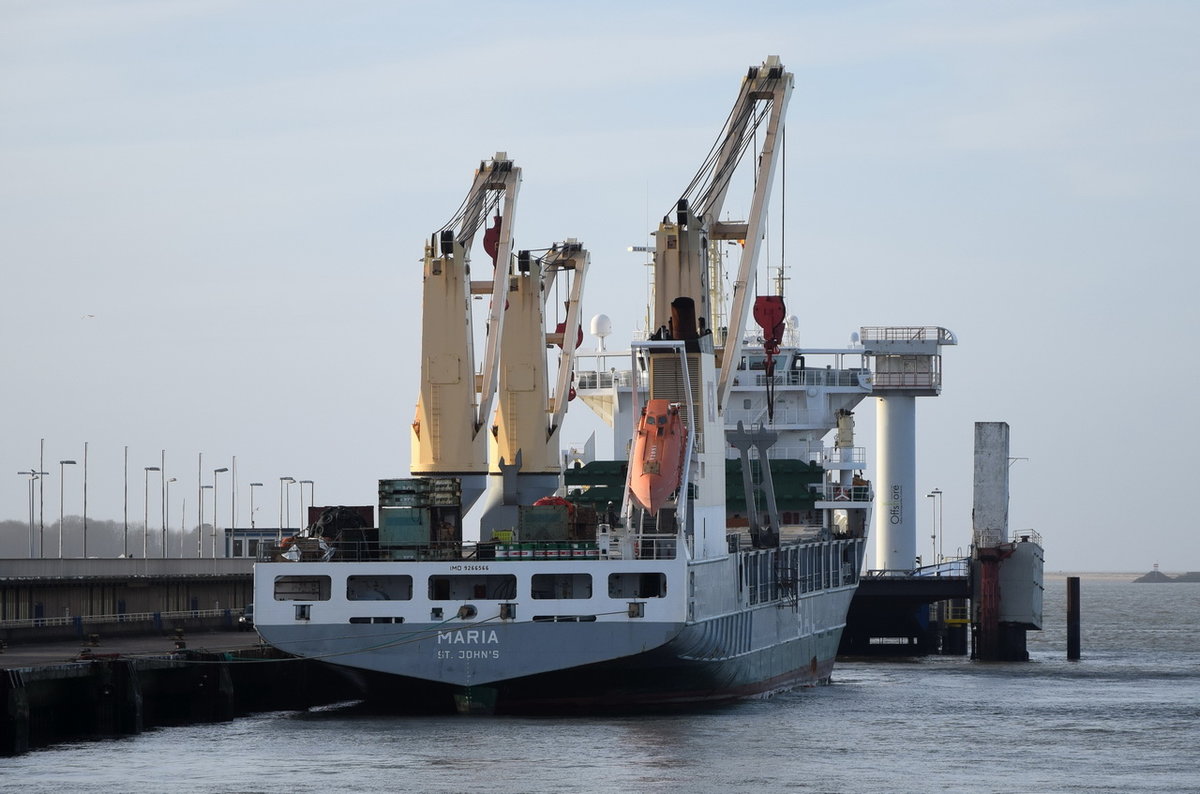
683	319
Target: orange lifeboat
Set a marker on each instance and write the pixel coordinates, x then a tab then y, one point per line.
658	449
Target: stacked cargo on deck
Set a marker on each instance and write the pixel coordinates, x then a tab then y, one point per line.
420	518
550	529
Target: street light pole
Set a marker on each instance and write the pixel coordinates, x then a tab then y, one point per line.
935	495
312	496
125	543
214	528
199	505
941	500
33	475
288	502
85	458
233	493
253	485
282	501
200	529
42	502
166	513
62	468
162	481
146	510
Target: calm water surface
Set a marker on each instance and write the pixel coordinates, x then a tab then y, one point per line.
1124	719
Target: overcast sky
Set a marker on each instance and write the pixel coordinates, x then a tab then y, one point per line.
212	215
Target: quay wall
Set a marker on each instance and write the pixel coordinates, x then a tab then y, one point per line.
116	696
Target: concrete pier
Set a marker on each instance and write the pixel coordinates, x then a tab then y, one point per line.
57	691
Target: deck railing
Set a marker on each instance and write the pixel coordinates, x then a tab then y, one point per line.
836	378
958	566
644	547
124	617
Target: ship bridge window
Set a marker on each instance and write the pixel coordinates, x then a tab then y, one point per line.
637	585
302	588
562	585
460	587
379	588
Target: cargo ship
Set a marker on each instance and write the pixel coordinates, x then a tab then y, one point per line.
705	562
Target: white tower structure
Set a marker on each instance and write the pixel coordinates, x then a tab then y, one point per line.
907	364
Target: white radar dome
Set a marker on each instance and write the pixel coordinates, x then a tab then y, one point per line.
601	325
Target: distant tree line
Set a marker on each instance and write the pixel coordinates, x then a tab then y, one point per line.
104	539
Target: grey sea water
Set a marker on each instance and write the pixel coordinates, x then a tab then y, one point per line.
1126	718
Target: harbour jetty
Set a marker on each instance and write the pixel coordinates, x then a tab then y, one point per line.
105	647
58	691
1156	576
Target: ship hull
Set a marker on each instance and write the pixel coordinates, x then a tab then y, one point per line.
655	681
667	679
751	653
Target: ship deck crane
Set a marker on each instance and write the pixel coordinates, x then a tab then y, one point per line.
524	461
686	248
528	415
448	432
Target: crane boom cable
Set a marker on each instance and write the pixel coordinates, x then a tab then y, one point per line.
478	206
721	179
711	159
717	178
710	181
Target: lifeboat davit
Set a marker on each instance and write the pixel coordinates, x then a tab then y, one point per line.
658	449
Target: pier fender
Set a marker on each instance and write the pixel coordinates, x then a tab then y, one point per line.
222	694
117	697
14	713
212	694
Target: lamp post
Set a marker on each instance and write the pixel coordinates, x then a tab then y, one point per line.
311	498
162	481
935	495
200	505
941	502
146	510
233	493
33	475
42	502
288	502
283	481
85	460
166	513
214	528
62	468
125	543
200	529
253	485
